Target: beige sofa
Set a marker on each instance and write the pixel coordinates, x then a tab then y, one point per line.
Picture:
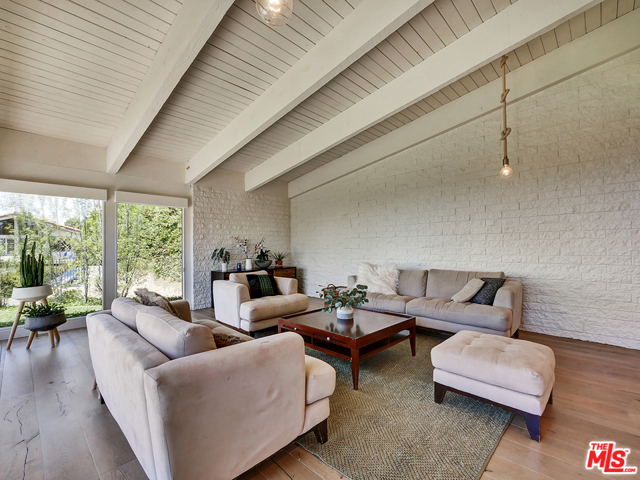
234	306
426	294
213	414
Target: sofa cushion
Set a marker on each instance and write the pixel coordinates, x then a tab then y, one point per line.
153	299
172	336
446	283
487	294
518	365
321	379
224	336
273	307
262	286
469	290
387	303
125	309
485	316
379	278
412	283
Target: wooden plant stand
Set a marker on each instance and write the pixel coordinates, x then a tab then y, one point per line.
53	334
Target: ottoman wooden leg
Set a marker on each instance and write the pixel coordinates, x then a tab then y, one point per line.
438	392
533	425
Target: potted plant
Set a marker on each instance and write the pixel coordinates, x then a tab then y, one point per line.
279	257
344	300
262	259
222	257
32	286
42	318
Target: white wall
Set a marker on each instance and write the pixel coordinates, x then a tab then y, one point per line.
223	210
566	224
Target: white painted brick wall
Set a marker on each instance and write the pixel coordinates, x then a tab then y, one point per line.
567	225
220	215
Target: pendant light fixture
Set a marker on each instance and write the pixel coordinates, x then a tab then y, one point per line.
275	12
506	170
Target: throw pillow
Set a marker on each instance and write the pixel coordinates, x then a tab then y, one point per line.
226	339
468	291
487	293
153	299
379	278
262	286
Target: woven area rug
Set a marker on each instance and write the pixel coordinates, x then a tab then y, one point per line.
392	429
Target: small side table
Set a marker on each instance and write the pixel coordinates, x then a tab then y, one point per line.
24	296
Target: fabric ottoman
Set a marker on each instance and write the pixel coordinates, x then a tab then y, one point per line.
515	375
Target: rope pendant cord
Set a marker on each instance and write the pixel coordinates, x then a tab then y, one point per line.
506	169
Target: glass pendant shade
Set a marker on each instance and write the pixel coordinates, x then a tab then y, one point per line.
275	12
506	170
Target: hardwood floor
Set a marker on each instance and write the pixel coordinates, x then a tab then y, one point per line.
52	425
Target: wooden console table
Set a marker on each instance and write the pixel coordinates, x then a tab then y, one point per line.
288	272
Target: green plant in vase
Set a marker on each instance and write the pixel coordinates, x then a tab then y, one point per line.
262	258
279	257
44	317
344	300
222	257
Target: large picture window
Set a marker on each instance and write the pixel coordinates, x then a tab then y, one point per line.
68	232
149	250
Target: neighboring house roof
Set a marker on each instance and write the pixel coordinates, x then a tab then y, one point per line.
65	228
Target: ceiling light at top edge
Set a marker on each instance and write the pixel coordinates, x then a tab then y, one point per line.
275	12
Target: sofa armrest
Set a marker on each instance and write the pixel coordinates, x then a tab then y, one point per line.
352	280
219	413
183	308
287	286
510	296
321	379
227	298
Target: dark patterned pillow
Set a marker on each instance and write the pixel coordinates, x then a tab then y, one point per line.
262	286
487	293
226	339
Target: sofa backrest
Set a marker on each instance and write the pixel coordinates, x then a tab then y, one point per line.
120	359
446	283
242	277
412	283
174	337
125	310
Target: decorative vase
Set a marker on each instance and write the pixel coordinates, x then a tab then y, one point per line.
224	267
264	264
31	294
278	263
248	265
344	313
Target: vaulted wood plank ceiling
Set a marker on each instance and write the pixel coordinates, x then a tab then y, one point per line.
70	69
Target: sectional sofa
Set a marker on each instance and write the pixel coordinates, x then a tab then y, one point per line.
426	294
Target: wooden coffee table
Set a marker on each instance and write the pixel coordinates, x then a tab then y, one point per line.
354	340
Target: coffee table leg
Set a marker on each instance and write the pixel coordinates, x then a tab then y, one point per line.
355	367
412	340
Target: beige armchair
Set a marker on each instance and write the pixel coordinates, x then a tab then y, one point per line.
235	308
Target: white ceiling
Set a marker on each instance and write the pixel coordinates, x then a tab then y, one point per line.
70	69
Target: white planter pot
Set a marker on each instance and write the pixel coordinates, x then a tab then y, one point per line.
248	264
31	294
345	313
224	267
